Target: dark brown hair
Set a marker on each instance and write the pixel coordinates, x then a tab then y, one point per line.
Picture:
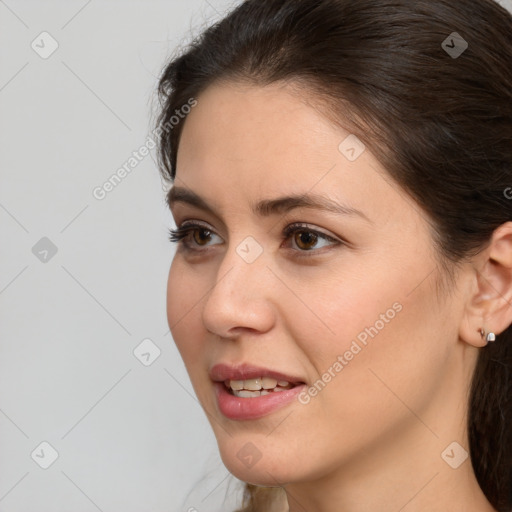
439	123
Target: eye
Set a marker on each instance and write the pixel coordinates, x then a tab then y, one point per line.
183	233
192	235
306	238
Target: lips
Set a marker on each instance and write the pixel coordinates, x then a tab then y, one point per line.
236	390
223	372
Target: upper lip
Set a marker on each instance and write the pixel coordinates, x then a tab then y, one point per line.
222	372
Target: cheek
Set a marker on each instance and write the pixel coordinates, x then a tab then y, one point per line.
385	374
174	290
184	302
343	308
373	335
182	309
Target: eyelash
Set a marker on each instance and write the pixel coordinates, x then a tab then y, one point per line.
180	235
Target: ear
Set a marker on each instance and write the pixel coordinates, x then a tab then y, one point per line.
489	303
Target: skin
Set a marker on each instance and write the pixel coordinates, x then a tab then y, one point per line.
372	439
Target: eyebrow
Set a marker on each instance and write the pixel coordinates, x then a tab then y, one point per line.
268	207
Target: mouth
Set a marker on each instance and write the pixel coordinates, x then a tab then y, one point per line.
250	377
260	386
248	392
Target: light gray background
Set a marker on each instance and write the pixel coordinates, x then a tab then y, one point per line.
129	436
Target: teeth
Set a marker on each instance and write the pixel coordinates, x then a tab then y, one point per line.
260	386
245	393
236	384
268	383
252	384
260	383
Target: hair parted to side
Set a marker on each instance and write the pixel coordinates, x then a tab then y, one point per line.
441	127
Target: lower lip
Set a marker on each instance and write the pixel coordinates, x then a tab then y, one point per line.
236	408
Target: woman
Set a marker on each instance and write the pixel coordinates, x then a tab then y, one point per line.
341	294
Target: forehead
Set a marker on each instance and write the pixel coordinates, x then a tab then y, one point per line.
241	127
246	142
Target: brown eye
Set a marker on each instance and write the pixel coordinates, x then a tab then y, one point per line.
196	238
199	239
191	235
305	240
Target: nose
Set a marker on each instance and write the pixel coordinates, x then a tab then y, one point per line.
240	297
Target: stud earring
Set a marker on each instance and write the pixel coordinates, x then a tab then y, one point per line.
489	337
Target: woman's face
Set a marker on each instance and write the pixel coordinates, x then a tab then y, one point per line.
345	307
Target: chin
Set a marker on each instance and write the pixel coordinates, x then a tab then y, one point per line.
257	475
258	467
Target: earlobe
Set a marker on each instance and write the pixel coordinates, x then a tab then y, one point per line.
489	307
